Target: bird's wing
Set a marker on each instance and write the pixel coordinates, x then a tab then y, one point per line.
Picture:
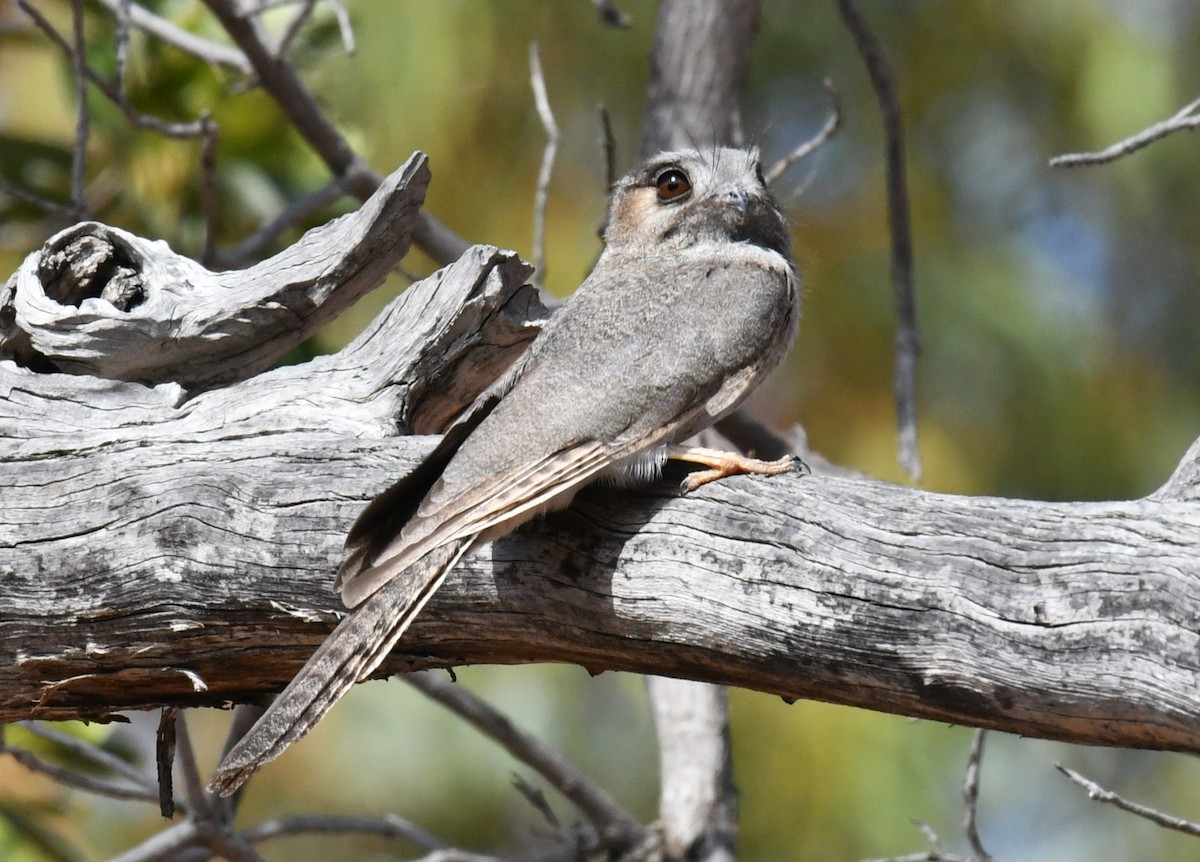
592	391
385	515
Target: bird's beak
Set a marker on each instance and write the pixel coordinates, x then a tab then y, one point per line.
737	198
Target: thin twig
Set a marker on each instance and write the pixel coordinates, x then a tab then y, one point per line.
937	854
901	232
83	750
932	837
538	82
138	119
345	29
36	200
83	117
1185	118
1095	791
123	28
832	124
386	826
177	37
280	81
78	780
165	845
608	142
971	797
613	822
293	27
391	826
298	210
537	798
209	201
193	786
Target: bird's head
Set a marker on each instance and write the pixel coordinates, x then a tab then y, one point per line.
689	197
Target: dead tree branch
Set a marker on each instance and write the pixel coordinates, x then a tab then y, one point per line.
175	36
822	137
971	797
541	196
900	227
94	301
618	827
278	78
1095	791
954	608
698	68
1186	118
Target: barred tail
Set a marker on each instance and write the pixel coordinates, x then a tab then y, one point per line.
355	648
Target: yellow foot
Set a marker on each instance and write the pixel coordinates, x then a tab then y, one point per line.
721	464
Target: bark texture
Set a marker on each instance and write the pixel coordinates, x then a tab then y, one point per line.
160	546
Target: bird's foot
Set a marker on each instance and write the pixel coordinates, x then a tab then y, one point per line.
721	464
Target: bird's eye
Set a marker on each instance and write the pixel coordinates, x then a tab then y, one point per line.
759	174
672	184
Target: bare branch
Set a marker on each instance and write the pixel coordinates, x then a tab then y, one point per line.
971	797
209	203
279	79
83	116
613	822
52	207
538	82
71	778
142	121
608	142
901	231
254	245
344	27
165	845
199	802
123	27
698	67
1184	119
1095	791
697	797
386	826
832	124
293	27
95	755
534	795
175	36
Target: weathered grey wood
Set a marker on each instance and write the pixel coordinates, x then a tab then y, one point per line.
697	799
159	548
196	568
698	68
112	489
98	300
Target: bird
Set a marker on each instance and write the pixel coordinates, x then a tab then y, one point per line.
693	301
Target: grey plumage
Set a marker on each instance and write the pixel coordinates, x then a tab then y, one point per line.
692	303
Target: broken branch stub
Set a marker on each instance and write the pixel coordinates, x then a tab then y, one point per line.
99	301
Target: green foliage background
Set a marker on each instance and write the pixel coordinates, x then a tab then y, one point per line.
1059	333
